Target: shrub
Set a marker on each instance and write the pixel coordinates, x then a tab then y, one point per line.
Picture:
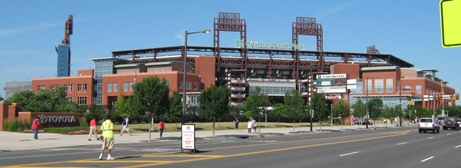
16	125
64	130
83	122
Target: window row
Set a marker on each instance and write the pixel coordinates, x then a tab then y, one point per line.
68	87
113	87
188	85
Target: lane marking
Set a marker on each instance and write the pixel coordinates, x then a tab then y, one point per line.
449	134
429	158
20	157
349	153
458	146
278	150
430	137
165	162
403	143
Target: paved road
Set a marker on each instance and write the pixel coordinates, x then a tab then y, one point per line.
351	146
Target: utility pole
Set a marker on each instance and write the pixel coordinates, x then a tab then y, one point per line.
366	104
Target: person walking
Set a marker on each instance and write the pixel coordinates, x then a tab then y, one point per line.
36	127
93	129
250	125
161	126
107	128
236	123
125	126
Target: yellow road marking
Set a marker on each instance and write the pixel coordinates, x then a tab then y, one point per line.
209	157
278	150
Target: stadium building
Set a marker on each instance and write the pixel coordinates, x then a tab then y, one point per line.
276	68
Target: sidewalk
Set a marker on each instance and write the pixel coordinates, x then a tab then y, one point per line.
12	141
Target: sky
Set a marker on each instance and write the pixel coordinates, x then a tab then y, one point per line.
30	30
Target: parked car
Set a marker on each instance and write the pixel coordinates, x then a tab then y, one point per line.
363	122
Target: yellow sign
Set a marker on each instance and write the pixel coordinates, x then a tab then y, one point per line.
450	19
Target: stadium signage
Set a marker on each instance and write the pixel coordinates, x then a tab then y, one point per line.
253	44
332	76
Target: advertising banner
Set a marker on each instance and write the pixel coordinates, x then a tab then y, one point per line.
188	137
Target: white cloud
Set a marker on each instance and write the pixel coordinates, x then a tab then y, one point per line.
334	9
41	26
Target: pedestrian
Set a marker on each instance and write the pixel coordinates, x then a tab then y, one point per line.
107	128
125	126
36	127
93	129
250	125
161	126
236	123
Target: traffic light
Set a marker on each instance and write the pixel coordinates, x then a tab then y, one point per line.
436	97
415	111
453	97
457	96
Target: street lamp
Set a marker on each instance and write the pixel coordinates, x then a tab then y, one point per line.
184	70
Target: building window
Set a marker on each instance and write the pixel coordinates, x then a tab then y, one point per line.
84	87
407	88
131	86
379	85
115	87
188	85
39	88
368	84
418	89
52	88
195	86
125	86
109	87
180	84
389	85
65	88
69	99
81	100
79	88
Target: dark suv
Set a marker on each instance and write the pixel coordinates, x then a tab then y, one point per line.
450	122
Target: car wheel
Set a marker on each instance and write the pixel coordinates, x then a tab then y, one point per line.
438	130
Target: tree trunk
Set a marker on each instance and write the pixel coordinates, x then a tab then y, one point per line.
320	124
342	123
374	124
278	122
213	128
294	126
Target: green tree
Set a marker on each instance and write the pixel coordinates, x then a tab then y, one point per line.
278	112
375	107
255	104
388	113
122	107
1	98
214	103
319	105
175	112
22	97
294	105
151	95
359	109
342	110
51	100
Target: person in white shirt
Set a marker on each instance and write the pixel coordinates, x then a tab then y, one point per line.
250	125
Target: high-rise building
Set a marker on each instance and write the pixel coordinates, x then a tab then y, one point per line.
63	66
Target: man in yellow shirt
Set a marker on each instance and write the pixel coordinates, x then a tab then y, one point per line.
107	128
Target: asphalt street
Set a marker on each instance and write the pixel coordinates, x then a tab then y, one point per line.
396	147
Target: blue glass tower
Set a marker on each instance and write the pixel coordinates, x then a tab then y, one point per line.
63	60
